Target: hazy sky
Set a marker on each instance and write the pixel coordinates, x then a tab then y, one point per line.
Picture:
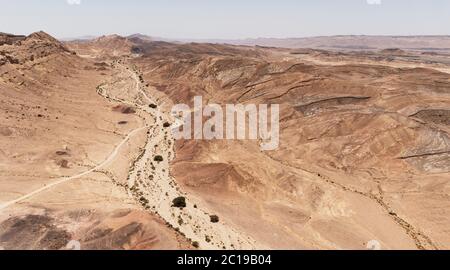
226	18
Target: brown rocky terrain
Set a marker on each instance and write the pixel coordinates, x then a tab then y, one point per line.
364	150
9	38
55	131
104	46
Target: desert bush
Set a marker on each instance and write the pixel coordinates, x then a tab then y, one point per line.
214	219
179	202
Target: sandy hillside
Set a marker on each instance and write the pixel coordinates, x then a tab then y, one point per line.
56	132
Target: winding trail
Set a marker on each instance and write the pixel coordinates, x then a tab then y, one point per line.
149	181
152	186
63	180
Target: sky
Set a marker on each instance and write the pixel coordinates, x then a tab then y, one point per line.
226	19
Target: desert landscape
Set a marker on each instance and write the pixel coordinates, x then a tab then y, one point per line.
87	153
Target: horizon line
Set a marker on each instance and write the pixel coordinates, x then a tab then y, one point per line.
254	38
225	39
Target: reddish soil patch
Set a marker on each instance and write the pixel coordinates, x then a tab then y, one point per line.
124	109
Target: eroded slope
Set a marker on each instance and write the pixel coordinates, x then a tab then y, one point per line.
57	138
353	165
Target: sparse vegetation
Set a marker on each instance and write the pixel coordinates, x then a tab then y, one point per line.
179	202
311	115
63	163
62	153
214	219
207	239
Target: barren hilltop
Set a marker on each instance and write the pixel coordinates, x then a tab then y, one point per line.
87	154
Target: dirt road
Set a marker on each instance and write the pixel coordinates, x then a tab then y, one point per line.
151	185
149	181
63	180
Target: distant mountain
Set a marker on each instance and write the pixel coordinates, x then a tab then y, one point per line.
142	37
133	36
342	42
9	39
21	49
110	45
423	43
82	38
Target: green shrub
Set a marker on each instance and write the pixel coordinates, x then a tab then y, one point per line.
179	202
214	219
